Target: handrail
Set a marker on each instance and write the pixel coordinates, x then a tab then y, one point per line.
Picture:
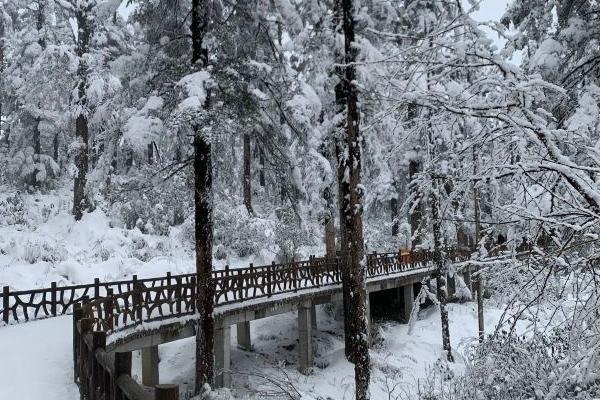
232	285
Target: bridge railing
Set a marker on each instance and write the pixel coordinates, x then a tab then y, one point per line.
154	298
147	304
103	375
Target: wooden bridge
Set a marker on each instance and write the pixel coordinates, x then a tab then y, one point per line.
112	319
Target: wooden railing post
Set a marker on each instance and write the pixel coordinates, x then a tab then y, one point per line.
252	277
77	315
178	291
108	310
166	392
240	282
295	266
83	367
270	271
5	304
122	367
96	288
98	342
137	299
53	299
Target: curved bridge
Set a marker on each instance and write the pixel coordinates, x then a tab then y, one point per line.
141	314
160	310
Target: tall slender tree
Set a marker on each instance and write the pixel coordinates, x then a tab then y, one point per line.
350	195
203	200
83	14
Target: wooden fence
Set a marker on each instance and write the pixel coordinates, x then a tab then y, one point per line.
119	304
107	376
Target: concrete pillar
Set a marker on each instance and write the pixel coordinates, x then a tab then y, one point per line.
222	355
313	316
409	301
305	349
150	366
243	336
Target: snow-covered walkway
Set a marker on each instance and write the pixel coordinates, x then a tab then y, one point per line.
36	361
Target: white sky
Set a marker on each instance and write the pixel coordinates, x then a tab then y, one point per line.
492	10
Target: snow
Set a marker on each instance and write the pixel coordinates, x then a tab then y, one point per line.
37	361
40	244
397	356
194	87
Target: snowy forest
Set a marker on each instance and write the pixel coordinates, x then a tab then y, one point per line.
367	146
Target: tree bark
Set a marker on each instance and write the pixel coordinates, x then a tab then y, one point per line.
80	202
261	175
3	29
349	169
394	215
478	282
329	225
203	199
441	271
247	178
415	216
340	97
37	142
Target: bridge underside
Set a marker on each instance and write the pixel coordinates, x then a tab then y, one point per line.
148	337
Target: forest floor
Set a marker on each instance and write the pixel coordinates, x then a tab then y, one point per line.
40	244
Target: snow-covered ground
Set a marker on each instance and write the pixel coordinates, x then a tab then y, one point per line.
36	359
40	243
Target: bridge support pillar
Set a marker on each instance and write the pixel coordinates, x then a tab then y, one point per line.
222	348
313	316
243	336
408	294
305	349
150	375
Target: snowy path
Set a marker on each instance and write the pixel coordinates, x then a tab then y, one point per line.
36	361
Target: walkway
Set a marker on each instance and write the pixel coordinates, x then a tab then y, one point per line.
36	361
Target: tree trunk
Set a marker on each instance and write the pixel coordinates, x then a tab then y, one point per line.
36	140
150	153
394	215
261	175
479	281
247	175
415	215
351	201
55	147
203	199
80	202
2	45
329	225
339	151
441	271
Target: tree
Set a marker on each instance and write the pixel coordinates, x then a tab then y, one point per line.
201	13
350	195
83	15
